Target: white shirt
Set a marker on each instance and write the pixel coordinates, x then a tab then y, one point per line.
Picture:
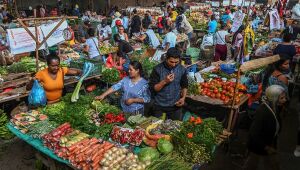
103	32
169	38
220	37
93	49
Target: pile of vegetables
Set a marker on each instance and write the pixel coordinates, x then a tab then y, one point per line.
22	120
148	66
127	136
136	120
169	162
4	132
26	64
41	128
148	154
87	69
86	154
121	158
110	75
193	88
77	114
72	138
102	107
200	135
52	139
152	139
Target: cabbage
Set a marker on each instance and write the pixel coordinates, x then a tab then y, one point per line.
148	154
164	146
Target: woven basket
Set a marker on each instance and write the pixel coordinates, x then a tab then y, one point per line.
258	63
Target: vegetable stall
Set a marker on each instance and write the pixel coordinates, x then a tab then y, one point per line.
91	134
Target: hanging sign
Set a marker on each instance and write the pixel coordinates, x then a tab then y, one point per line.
21	42
57	36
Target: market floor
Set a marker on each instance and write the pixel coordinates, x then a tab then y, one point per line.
20	156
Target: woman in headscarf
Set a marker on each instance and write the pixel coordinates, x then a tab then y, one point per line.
264	130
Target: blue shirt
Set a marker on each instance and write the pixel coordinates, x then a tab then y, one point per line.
169	38
125	21
139	89
212	26
225	18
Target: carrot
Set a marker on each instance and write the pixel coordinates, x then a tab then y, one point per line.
108	146
89	151
94	141
96	167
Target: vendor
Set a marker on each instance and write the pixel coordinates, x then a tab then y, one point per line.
104	31
135	90
115	60
92	46
135	23
123	46
148	37
52	78
170	38
168	84
82	31
122	33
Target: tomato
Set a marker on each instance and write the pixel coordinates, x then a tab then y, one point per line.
91	88
208	94
237	100
216	91
218	95
224	92
222	97
213	95
226	101
205	85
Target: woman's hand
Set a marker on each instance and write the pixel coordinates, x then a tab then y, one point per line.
129	101
101	97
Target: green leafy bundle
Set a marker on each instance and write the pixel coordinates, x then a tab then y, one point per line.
170	161
110	75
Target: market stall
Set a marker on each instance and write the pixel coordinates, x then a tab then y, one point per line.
220	86
98	135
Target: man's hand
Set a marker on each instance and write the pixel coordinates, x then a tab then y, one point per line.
169	78
180	102
129	101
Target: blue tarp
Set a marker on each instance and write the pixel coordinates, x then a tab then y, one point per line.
36	143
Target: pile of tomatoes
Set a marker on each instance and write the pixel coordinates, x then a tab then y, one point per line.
217	89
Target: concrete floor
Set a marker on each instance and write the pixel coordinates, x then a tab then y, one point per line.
20	156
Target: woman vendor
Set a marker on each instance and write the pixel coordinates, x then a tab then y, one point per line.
52	78
135	90
148	37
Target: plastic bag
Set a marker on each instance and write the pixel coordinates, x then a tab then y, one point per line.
37	96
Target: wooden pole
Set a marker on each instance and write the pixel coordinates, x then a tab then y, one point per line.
232	110
37	46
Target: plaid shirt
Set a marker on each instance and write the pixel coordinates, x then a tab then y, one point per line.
170	94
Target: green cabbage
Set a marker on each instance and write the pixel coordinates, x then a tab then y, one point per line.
164	146
148	154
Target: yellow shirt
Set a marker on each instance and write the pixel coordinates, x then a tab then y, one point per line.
53	88
174	16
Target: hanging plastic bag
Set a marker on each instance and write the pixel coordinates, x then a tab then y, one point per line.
37	96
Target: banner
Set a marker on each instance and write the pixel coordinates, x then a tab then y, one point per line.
21	42
57	36
238	20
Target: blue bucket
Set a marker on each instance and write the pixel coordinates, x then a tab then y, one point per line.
228	68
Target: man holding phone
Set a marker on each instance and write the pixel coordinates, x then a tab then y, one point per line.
169	83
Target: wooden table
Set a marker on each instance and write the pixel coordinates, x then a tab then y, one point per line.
233	111
69	81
